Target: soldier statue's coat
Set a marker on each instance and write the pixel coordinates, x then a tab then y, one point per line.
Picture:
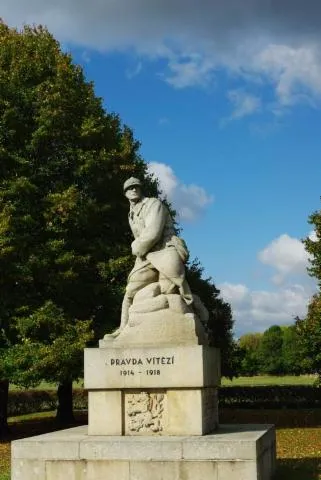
157	247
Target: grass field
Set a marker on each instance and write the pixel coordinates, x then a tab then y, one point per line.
240	381
46	386
270	380
298	438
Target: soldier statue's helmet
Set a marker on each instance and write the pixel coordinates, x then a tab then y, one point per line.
132	182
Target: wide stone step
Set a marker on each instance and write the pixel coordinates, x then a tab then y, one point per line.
233	452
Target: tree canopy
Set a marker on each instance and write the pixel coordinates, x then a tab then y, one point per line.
220	322
249	345
309	328
270	351
63	218
64	235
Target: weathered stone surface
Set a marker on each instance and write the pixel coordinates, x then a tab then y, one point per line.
105	412
231	453
27	469
108	470
192	411
153	412
151	367
237	470
145	413
161	327
152	391
67	469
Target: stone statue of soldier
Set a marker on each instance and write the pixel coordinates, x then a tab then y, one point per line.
160	254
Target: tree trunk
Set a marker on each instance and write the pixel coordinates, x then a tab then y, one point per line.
65	414
4	393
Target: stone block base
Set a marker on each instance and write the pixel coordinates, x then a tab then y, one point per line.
234	452
152	391
153	411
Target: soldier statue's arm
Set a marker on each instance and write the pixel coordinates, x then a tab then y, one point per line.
154	222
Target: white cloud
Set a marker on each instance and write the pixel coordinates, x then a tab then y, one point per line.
166	177
286	255
86	56
133	72
188	200
274	42
190	71
243	103
256	310
313	236
293	70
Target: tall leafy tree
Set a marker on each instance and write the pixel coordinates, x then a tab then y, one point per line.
270	351
220	322
292	353
309	329
250	347
64	237
309	334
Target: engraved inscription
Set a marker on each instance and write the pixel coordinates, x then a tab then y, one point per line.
133	365
118	362
144	412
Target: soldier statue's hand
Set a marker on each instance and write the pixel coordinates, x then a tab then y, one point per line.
136	250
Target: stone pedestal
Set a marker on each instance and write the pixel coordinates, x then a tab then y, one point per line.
152	391
234	452
153	414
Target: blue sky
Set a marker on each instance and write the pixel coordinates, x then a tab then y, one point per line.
226	103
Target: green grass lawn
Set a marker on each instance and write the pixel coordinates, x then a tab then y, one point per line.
240	381
46	386
269	380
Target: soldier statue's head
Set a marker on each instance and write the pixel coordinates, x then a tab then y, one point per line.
133	189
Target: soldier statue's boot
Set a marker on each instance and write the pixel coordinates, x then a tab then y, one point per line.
127	301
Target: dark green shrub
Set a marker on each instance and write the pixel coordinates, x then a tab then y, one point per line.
22	402
279	396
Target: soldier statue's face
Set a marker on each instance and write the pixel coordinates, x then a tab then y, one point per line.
134	194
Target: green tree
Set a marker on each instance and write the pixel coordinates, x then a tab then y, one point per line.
309	335
309	329
292	354
63	217
64	235
313	247
250	345
220	322
4	387
270	351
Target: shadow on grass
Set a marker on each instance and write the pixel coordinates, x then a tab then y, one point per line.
298	469
43	424
29	427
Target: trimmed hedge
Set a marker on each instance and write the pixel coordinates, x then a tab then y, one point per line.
279	396
32	401
22	402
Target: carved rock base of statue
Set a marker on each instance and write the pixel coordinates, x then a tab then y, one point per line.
163	327
159	319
